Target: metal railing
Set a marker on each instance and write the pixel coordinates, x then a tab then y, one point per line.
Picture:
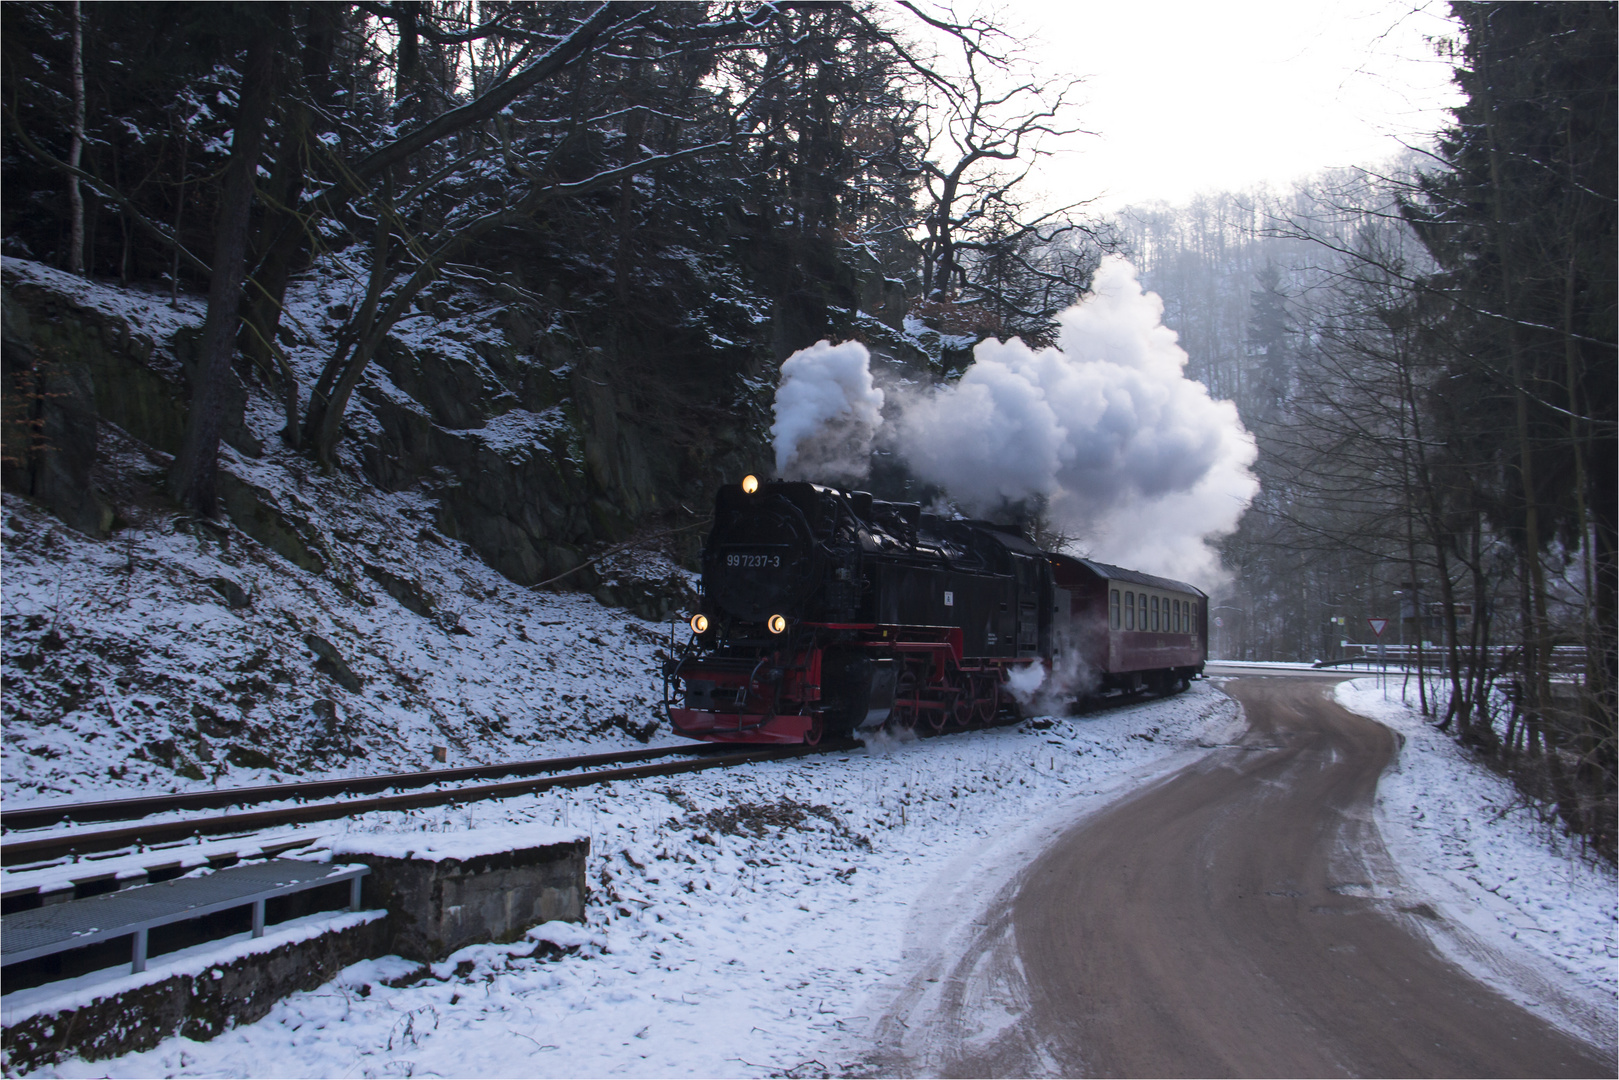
1567	660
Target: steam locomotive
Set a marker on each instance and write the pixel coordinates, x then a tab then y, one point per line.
826	611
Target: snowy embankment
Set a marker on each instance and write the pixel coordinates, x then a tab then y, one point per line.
740	921
128	670
1462	835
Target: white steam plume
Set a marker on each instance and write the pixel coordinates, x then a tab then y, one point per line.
827	413
1128	453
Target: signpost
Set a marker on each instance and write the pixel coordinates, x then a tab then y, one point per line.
1378	626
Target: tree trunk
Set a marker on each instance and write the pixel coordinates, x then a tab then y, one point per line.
354	333
284	232
75	198
191	480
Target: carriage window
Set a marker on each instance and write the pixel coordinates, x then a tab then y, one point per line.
1155	622
1129	611
1114	608
1192	619
1177	616
1142	614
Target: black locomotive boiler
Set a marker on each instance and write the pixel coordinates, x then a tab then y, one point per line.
824	611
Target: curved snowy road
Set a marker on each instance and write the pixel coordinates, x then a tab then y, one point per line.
1233	919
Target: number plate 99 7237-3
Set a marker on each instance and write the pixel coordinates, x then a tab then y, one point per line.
750	560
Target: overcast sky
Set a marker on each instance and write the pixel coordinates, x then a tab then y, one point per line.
1205	96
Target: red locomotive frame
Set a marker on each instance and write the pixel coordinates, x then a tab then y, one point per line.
933	684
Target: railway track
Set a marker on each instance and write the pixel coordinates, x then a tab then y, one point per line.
343	798
41	817
330	800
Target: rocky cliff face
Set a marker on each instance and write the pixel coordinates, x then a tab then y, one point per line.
515	437
535	449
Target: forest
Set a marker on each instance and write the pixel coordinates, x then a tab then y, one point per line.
672	198
1425	352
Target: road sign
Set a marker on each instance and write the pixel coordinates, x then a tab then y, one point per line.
1378	626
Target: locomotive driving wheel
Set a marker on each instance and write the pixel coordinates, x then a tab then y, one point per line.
958	701
962	709
987	698
940	718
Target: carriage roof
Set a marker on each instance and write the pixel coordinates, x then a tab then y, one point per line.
1133	577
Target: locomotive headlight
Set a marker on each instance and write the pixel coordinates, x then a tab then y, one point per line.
750	484
699	623
777	624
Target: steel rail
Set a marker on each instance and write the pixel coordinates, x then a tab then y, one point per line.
41	817
64	844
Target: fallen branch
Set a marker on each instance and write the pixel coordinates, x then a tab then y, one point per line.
615	550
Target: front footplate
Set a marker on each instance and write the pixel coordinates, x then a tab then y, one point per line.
740	727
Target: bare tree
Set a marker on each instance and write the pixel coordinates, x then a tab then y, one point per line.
993	120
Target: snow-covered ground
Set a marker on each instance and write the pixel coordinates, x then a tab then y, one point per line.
185	655
1507	883
739	923
750	922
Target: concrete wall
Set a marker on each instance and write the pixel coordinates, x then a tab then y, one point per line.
436	906
198	1005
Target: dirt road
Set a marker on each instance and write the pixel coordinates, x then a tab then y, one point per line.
1233	919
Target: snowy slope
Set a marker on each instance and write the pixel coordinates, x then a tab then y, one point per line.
127	671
